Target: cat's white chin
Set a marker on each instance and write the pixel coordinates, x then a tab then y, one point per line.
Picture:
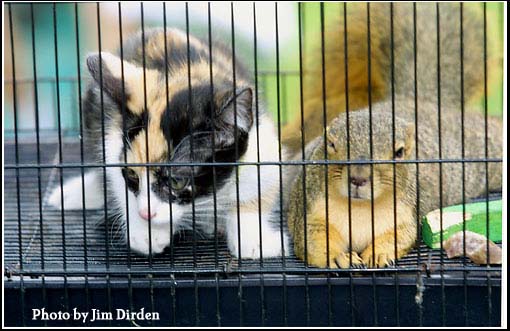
139	240
163	224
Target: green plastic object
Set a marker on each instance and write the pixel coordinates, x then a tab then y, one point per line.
476	221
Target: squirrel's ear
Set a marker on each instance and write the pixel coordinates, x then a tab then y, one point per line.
409	139
108	70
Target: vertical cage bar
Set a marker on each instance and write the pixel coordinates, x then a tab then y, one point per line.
415	76
349	211
167	96
324	125
463	155
147	169
190	107
16	153
486	154
369	63
395	238
103	145
259	193
374	289
124	151
326	169
38	155
303	156
60	158
215	201
147	153
438	37
240	289
280	158
82	169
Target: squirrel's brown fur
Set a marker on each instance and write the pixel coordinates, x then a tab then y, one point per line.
380	83
392	196
350	223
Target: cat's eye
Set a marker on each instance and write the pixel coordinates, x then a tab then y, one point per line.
399	153
131	178
179	183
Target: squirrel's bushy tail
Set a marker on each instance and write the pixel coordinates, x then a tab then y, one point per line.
397	49
460	53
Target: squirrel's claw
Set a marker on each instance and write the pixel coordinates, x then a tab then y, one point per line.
343	260
381	260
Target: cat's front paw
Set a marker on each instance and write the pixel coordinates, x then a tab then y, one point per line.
72	191
72	197
250	249
139	239
55	199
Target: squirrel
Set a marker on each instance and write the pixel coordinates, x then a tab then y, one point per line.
392	45
428	125
353	190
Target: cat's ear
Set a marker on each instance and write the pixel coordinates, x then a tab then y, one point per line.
235	109
108	70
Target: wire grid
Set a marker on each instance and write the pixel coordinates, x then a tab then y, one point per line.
37	244
211	256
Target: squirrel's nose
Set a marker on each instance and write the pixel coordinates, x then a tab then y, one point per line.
358	181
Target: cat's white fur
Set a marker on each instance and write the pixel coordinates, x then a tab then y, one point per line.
251	225
73	198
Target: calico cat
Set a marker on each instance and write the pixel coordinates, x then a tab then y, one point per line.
213	123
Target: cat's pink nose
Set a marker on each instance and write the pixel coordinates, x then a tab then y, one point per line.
144	213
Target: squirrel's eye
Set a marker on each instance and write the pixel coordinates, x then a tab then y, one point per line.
331	145
179	183
131	178
399	153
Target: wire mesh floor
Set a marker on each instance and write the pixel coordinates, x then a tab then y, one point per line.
56	244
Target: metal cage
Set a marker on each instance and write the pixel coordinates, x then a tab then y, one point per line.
72	261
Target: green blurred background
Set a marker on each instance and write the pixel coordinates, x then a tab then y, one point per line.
284	101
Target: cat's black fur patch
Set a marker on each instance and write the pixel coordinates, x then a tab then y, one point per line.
134	124
201	133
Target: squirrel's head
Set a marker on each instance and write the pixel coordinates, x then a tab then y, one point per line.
367	179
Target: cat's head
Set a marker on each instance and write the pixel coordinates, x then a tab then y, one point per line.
188	122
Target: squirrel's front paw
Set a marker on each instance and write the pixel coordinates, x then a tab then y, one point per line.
381	259
343	260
